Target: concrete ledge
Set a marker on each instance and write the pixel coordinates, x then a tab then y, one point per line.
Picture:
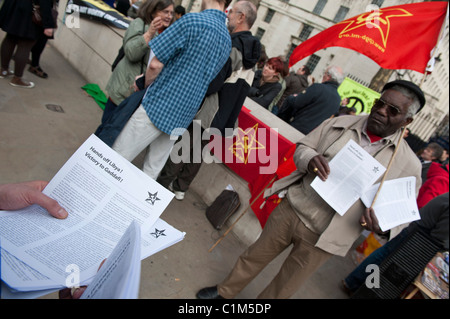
89	46
92	48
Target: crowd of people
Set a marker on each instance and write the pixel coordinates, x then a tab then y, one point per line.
179	67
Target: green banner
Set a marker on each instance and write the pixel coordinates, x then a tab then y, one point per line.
360	97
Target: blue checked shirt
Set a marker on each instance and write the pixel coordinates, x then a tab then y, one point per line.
193	51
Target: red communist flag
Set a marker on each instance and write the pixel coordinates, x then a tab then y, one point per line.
259	155
255	151
263	207
398	37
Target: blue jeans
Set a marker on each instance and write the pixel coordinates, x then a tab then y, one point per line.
110	107
358	276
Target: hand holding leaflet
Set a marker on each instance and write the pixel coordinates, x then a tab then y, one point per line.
103	193
352	171
159	237
396	203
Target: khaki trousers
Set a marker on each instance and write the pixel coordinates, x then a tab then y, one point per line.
282	229
140	133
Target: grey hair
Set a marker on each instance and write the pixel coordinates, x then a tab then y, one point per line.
335	73
250	11
415	105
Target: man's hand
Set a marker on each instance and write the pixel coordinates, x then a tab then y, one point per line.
21	195
153	70
49	32
319	166
134	86
369	221
69	293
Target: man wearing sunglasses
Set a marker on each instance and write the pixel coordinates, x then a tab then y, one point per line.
304	219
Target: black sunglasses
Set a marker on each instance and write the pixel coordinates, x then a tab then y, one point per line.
392	109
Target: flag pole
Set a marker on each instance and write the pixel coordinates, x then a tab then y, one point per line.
243	213
389	166
423	79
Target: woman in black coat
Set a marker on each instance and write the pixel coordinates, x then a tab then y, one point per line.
266	84
22	33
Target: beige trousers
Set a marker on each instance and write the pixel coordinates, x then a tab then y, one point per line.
282	229
140	133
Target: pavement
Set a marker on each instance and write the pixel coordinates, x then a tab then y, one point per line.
40	128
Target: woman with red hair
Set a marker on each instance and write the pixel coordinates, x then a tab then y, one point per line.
266	84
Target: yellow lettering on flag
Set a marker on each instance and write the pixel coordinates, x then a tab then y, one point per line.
378	19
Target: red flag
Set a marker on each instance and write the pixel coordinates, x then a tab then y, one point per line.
264	207
398	37
257	154
256	150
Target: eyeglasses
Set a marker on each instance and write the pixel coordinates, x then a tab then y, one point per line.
167	12
392	109
231	11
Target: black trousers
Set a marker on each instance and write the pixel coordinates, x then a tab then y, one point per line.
182	174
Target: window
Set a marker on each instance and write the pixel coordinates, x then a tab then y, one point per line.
269	15
312	62
260	33
342	13
306	32
378	3
319	7
293	46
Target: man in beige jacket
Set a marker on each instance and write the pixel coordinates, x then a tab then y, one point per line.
304	219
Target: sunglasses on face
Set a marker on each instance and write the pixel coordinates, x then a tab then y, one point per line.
392	109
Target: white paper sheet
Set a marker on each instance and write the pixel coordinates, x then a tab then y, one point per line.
103	193
119	276
396	203
159	237
8	293
352	171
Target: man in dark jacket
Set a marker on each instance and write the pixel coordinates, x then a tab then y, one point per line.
296	82
224	99
319	102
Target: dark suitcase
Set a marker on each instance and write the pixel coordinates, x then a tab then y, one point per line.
225	205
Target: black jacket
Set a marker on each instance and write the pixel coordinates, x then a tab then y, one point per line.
264	94
232	95
15	18
308	110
